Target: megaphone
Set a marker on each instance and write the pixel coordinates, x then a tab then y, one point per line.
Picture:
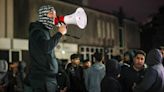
78	18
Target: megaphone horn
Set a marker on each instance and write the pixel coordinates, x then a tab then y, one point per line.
78	18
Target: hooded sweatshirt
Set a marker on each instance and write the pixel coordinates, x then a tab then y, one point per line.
93	77
154	76
110	82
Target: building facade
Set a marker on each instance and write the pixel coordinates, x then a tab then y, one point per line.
102	33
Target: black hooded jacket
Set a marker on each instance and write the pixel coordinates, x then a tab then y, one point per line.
41	50
110	81
154	76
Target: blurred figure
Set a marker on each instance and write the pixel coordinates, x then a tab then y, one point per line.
22	69
110	82
135	73
86	64
75	73
161	48
95	74
14	75
127	59
153	80
3	76
62	78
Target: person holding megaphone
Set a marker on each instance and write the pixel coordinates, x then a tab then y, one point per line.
43	67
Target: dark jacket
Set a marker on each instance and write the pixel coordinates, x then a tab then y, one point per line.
130	77
41	50
76	78
62	78
110	82
154	77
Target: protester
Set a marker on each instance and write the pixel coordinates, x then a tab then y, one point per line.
44	66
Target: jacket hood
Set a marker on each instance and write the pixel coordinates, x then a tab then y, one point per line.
35	25
154	57
112	68
98	66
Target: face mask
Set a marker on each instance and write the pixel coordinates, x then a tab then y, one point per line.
43	18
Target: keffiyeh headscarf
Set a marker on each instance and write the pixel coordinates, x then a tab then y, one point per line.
43	11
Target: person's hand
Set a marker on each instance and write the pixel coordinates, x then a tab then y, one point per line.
64	90
134	85
62	29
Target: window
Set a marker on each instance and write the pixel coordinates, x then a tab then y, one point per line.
4	55
15	56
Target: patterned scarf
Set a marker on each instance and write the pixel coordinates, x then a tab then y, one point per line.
43	11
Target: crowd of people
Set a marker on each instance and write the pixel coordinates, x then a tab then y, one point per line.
12	76
141	73
135	72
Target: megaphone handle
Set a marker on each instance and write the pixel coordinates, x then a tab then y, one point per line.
72	36
60	24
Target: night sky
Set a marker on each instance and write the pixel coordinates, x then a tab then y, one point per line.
139	9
